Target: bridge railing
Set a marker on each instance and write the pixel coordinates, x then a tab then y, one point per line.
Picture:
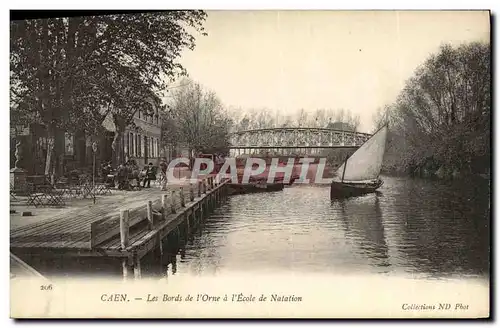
297	138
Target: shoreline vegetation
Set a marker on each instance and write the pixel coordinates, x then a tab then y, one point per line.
440	123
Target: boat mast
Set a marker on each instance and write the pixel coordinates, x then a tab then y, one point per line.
345	165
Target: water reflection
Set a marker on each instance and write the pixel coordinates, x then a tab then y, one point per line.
362	222
411	226
439	228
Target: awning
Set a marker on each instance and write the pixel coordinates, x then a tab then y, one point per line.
108	124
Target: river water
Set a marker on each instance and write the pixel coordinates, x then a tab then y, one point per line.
412	227
432	229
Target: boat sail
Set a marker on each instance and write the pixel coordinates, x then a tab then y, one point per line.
360	172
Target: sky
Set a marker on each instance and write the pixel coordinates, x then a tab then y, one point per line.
288	60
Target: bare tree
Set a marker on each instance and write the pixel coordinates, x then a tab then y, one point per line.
199	120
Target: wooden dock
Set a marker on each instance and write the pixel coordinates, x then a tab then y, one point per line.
19	268
127	231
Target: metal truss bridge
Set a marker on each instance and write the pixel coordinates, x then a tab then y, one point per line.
308	140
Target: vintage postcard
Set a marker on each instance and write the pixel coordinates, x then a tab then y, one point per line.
250	164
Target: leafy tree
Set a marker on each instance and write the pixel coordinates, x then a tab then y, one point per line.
442	116
70	73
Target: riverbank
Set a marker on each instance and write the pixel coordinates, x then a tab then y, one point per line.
434	176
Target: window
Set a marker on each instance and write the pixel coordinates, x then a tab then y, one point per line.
130	144
136	152
137	145
141	146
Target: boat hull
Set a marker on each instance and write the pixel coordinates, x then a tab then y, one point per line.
344	190
246	188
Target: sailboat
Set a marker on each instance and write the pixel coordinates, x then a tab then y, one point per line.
359	174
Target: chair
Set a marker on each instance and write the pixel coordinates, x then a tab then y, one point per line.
12	192
43	193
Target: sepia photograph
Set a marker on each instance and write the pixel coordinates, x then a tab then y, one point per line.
250	164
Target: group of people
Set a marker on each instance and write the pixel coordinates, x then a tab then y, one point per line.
128	175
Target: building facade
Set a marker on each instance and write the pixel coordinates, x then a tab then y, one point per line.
142	142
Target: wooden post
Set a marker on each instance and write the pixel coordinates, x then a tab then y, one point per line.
124	229
204	184
211	182
160	244
181	196
164	183
199	188
172	207
149	209
137	268
125	268
191	192
164	205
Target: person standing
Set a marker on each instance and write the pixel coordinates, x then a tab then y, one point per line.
150	175
163	173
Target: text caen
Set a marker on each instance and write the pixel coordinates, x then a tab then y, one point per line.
114	298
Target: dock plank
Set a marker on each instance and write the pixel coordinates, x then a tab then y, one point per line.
65	227
69	233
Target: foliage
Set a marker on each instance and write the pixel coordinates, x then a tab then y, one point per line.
70	73
442	117
323	118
